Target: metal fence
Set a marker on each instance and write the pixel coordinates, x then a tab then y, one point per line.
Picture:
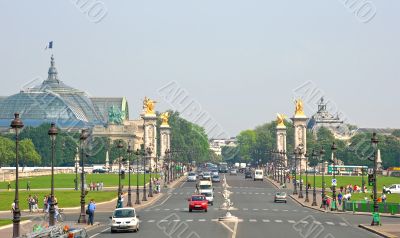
368	206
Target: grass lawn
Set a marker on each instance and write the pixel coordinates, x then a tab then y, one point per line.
67	180
354	180
65	198
4	222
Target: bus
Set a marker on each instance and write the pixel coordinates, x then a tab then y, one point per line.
223	167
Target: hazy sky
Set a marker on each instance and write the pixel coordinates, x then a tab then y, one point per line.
240	61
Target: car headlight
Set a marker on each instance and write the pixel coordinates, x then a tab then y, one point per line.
113	221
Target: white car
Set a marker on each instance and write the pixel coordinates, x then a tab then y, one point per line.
192	177
207	175
209	196
394	188
124	219
258	175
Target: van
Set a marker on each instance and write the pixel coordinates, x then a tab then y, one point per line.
258	175
205	186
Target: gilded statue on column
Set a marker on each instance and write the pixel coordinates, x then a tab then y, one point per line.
164	118
280	118
148	105
299	108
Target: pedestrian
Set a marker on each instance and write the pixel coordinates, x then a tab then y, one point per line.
97	186
383	197
341	189
90	210
101	185
29	200
45	203
8	186
340	197
328	202
35	207
28	186
384	189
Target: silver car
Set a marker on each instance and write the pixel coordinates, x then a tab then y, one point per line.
280	197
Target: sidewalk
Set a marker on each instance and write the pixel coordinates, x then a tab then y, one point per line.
109	206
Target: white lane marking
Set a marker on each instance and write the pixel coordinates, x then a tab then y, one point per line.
147	210
157	209
100	232
265	209
166	209
189	220
151	221
202	219
215	209
176	220
285	210
255	209
252	220
262	193
317	222
256	193
245	209
342	224
176	209
278	221
266	220
275	210
330	223
214	219
291	221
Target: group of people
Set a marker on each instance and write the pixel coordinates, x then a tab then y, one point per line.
96	186
352	189
33	203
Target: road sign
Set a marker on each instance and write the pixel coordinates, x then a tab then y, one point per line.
334	182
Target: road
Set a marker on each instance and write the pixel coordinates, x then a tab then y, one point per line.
258	216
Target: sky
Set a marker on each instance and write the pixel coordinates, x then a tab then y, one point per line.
227	65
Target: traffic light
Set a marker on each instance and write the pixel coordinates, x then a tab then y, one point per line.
371	179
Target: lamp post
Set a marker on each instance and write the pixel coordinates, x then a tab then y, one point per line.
314	200
76	169
334	205
16	125
306	157
137	177
82	138
129	151
149	151
52	133
284	167
362	180
375	220
120	145
301	180
144	178
296	154
322	161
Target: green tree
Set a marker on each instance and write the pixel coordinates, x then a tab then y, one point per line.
28	154
7	151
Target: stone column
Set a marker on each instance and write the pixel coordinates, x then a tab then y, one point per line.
165	141
149	136
281	140
300	132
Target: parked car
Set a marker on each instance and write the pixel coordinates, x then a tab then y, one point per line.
233	172
124	219
394	188
99	171
198	202
280	197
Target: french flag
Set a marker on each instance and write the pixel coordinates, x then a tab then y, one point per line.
49	45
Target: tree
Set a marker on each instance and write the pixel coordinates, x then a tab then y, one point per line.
7	151
28	154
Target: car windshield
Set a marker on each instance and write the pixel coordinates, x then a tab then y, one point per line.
281	194
205	186
124	213
207	194
197	198
192	174
215	176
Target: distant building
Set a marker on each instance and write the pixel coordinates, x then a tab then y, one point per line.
217	144
323	118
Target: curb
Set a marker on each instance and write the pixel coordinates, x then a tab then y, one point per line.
11	225
380	233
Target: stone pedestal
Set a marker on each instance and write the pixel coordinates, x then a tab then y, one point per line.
281	140
150	136
300	137
165	141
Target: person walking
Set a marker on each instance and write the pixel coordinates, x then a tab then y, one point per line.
8	186
28	186
340	198
91	209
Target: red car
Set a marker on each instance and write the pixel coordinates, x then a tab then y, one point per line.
198	202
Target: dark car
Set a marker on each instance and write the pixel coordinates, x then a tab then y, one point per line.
248	174
99	171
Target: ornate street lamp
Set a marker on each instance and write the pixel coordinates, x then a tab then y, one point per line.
129	151
334	204
301	160
76	169
296	154
322	161
362	180
137	176
82	138
306	157
314	157
144	178
375	220
16	125
52	133
149	151
166	174
120	146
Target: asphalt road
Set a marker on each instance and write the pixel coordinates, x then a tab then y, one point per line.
258	216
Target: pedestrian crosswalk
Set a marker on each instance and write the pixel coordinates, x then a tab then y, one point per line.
250	220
